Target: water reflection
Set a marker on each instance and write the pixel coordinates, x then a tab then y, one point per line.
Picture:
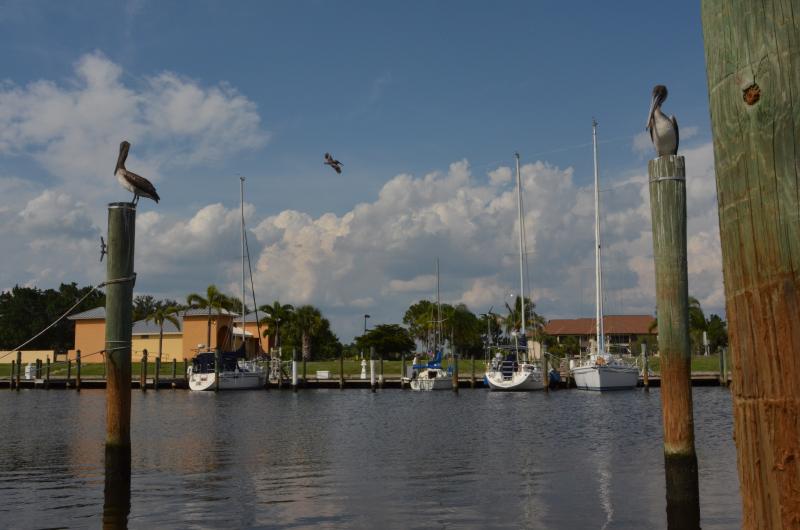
683	492
117	490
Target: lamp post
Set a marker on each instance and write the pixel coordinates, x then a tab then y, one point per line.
365	332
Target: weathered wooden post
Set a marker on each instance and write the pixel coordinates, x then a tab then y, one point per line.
119	321
753	68
217	368
294	369
645	370
341	370
174	372
372	368
47	374
668	213
143	372
13	372
38	369
78	370
69	372
545	375
157	372
380	376
19	368
455	373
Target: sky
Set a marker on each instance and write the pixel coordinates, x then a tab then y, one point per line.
424	103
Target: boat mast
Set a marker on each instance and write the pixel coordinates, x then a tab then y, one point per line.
521	250
597	266
241	193
438	328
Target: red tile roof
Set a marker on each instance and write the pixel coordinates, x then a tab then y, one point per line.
612	324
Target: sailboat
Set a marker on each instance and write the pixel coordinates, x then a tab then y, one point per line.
511	367
235	372
431	376
601	370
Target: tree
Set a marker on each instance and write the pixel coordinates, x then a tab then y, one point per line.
533	321
307	320
463	328
213	301
389	340
161	314
717	330
274	315
420	319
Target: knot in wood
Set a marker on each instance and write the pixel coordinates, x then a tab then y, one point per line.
752	94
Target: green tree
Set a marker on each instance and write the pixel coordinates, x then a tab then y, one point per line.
275	315
389	341
307	321
161	314
463	328
534	323
420	319
717	330
214	301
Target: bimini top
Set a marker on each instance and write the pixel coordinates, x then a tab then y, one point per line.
204	362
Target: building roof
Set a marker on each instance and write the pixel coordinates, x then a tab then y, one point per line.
92	314
612	324
143	327
250	317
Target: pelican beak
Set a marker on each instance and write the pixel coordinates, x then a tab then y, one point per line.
653	104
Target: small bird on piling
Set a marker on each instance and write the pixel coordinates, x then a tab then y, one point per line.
663	130
335	164
138	185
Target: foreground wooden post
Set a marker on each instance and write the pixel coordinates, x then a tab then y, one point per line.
143	372
645	370
19	368
753	67
119	321
78	370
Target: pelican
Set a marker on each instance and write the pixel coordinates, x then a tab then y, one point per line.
335	164
139	186
663	130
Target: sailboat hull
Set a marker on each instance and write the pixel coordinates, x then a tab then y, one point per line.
519	380
227	381
605	377
431	379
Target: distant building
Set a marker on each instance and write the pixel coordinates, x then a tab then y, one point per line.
179	343
620	330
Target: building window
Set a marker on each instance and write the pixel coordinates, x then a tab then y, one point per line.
144	336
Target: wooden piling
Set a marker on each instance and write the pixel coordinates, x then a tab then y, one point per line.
38	369
175	372
472	377
645	369
47	374
341	370
753	67
19	368
13	372
69	373
143	372
372	368
723	377
380	377
545	375
668	213
455	373
78	370
120	279
217	370
157	372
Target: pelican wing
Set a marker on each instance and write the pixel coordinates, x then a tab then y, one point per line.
677	136
143	186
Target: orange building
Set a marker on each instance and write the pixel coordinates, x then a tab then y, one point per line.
179	342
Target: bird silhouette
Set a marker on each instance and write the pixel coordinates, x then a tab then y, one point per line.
663	130
335	164
138	185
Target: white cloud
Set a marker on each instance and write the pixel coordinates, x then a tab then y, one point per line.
424	283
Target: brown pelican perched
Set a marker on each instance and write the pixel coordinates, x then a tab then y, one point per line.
335	164
663	130
139	186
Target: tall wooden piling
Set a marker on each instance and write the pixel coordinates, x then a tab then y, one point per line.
645	369
143	372
175	372
69	372
19	368
157	372
120	279
723	376
753	68
668	212
78	370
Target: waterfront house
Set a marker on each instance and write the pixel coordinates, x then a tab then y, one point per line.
621	331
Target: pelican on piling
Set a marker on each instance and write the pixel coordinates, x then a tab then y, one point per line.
663	130
138	185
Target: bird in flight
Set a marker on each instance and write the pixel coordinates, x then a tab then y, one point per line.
663	130
335	164
138	185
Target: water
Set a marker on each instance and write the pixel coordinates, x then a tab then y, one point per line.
393	459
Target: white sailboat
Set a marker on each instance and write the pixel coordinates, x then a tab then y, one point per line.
601	370
431	375
235	373
512	368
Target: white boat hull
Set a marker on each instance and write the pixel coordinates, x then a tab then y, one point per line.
519	380
227	381
430	379
605	377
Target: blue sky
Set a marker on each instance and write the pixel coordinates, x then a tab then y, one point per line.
389	89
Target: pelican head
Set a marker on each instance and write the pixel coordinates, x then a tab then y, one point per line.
659	95
123	154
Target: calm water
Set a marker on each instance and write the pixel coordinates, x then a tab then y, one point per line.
330	458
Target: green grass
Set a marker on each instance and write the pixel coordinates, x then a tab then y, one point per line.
700	363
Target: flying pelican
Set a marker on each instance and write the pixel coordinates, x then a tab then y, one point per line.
139	186
335	164
663	130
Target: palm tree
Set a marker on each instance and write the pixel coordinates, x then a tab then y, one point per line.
275	314
214	300
308	320
160	315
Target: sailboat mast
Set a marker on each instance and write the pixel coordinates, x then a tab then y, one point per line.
597	263
241	193
521	245
438	328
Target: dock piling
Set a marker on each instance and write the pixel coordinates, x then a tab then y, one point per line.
19	368
372	368
174	371
645	369
472	377
13	372
380	377
78	370
341	370
143	372
69	373
47	374
294	369
402	371
157	373
217	362
455	373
